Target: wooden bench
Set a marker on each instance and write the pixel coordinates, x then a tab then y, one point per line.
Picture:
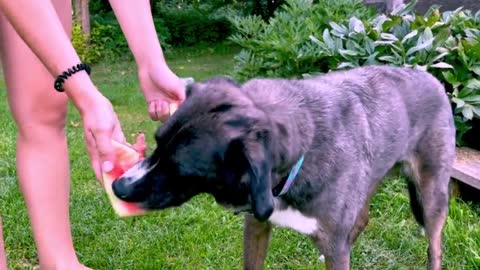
467	166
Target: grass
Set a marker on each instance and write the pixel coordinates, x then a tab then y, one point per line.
200	234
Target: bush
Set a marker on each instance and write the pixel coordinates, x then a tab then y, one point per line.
281	46
106	39
106	32
190	25
446	44
88	52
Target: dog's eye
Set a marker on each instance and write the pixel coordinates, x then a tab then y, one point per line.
238	122
222	108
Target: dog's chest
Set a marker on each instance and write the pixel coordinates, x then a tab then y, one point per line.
294	219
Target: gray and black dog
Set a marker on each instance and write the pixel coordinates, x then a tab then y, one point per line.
239	143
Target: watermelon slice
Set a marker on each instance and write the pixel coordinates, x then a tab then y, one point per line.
172	108
126	156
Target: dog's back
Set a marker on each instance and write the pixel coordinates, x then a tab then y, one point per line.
374	112
391	104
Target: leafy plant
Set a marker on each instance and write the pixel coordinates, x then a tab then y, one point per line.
192	23
446	44
106	39
87	51
281	47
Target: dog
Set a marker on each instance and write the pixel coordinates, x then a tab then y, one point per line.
307	154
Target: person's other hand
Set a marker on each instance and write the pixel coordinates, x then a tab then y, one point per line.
101	126
161	87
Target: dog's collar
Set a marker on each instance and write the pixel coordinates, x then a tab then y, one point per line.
285	184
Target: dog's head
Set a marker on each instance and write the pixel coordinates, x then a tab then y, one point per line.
218	142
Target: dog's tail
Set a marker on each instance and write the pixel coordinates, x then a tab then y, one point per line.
415	204
410	171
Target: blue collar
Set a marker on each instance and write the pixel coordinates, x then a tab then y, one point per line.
291	177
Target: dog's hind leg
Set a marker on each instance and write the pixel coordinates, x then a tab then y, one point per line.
431	168
256	237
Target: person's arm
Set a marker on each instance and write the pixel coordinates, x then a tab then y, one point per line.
136	22
37	23
135	19
39	26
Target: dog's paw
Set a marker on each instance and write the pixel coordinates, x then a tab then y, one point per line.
321	258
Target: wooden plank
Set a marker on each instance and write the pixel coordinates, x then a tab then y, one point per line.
466	167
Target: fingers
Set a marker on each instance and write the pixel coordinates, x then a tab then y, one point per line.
172	107
158	110
140	145
118	133
161	110
105	150
92	151
152	110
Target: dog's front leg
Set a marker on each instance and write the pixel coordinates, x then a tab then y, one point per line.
338	261
256	237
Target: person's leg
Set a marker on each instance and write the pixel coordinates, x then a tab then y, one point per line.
3	255
42	156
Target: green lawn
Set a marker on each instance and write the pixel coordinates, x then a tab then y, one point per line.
200	234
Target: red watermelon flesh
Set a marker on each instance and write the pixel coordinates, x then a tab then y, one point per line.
126	156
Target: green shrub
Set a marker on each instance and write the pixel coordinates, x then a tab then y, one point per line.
106	32
87	51
446	44
162	32
190	25
97	7
106	39
281	46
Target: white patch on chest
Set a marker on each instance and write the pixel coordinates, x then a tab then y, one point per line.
295	220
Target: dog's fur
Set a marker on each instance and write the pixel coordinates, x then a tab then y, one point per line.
238	142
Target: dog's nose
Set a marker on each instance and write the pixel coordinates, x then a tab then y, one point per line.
120	189
130	191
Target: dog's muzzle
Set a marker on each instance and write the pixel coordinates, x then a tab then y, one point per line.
132	186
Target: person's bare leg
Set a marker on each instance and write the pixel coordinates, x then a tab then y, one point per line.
42	156
3	254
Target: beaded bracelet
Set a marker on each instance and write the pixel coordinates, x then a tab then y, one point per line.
62	77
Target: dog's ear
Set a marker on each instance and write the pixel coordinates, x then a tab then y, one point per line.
252	154
192	88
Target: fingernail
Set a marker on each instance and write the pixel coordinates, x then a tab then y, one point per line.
107	166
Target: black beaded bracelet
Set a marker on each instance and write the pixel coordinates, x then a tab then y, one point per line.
62	77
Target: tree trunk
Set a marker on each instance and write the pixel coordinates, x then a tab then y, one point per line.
77	12
85	14
81	15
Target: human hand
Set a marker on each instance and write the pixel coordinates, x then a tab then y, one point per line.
161	88
101	126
